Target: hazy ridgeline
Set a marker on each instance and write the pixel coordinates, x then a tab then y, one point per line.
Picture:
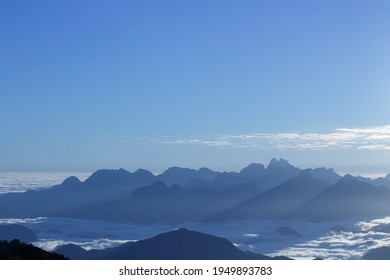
182	195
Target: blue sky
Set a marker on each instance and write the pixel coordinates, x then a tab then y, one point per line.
107	84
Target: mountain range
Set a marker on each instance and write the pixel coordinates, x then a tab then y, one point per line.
181	195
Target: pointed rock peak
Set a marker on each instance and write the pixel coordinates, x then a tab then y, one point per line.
274	163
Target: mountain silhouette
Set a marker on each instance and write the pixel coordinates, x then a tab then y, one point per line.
278	201
180	176
349	197
101	185
159	203
278	172
155	203
287	231
252	171
14	231
379	182
229	180
180	244
324	174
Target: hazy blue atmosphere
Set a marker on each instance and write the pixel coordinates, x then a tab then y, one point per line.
86	85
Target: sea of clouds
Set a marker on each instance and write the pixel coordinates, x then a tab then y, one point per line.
323	240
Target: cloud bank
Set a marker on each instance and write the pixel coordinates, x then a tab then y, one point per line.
374	138
347	239
23	181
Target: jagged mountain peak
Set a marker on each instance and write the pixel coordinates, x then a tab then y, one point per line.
275	163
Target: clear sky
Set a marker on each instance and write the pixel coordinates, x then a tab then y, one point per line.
107	84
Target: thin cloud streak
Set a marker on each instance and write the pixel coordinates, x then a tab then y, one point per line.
375	138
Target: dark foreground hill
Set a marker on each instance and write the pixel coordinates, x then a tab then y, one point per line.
15	250
181	244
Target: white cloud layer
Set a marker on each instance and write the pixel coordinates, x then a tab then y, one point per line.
324	240
375	138
23	181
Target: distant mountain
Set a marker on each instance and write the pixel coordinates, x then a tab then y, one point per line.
278	172
159	203
229	180
324	174
349	197
15	250
379	182
180	176
253	171
278	201
382	253
14	231
101	185
154	203
287	231
181	244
